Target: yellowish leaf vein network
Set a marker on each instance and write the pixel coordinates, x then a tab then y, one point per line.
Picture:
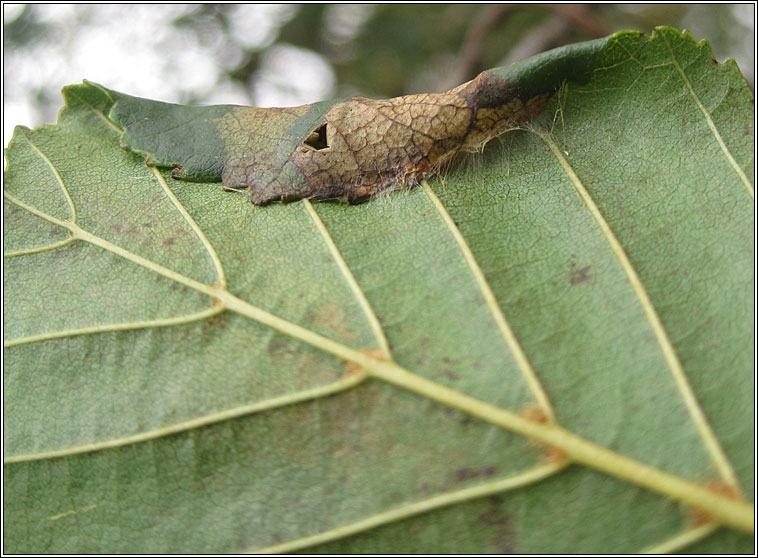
97	111
709	121
497	312
123	326
55	172
376	326
184	213
66	195
67	513
735	513
187	217
141	324
331	388
677	371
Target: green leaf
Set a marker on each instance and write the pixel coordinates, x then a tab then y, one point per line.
185	372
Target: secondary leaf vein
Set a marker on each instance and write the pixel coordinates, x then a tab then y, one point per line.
683	540
677	371
709	121
49	163
187	217
38	249
141	324
736	513
347	382
365	305
497	312
409	510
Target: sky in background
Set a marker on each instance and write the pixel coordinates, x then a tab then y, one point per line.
151	57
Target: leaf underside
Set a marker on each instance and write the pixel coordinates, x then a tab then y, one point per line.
187	373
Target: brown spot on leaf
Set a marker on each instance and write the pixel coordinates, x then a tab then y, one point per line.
376	354
331	316
700	517
534	413
581	275
216	321
274	347
489	517
467	419
451	375
552	454
498	522
548	453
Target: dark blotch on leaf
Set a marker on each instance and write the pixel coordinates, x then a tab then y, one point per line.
475	473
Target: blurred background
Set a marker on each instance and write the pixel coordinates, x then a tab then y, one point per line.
290	54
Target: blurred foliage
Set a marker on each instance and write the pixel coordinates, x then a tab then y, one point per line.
267	54
397	42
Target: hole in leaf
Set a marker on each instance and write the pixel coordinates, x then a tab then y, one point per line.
317	138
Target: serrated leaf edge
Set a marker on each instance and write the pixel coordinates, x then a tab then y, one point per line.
711	125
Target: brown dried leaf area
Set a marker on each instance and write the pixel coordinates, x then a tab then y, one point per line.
363	147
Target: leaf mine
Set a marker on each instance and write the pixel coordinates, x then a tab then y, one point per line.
347	150
375	145
361	147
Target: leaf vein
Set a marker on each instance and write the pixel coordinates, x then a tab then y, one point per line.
58	177
194	226
142	324
497	312
416	508
182	210
683	540
737	513
38	249
97	112
677	371
724	149
365	305
344	383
